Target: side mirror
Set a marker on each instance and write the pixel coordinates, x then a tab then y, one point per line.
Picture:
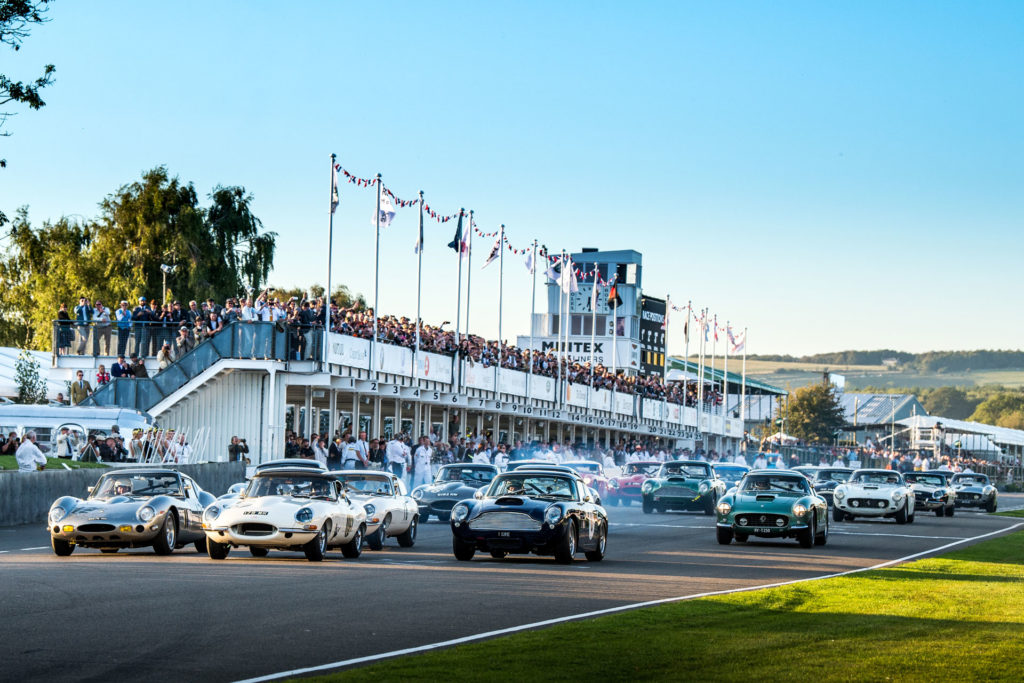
586	499
479	494
90	489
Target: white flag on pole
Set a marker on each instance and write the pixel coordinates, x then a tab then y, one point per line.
593	295
334	188
495	251
567	280
530	265
737	342
387	212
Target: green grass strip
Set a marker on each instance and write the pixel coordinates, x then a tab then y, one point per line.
7	462
1010	513
956	617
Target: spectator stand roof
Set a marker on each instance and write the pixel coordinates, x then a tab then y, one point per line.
679	369
879	409
1001	436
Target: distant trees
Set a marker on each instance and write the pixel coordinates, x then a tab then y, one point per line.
815	413
952	402
932	361
1004	409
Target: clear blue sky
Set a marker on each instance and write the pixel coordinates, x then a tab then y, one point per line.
829	175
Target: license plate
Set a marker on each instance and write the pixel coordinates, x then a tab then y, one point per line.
763	530
504	534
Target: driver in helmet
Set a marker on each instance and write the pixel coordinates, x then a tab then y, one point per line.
122	487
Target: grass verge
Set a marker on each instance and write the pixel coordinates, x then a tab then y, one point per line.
1010	513
955	617
7	462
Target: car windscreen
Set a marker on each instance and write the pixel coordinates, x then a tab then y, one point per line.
833	475
970	479
589	467
677	470
367	484
770	483
534	486
295	485
473	475
875	478
137	484
647	470
926	479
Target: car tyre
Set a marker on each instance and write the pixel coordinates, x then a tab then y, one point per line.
901	514
354	548
463	550
407	538
257	551
498	554
167	538
648	506
597	554
565	551
724	535
991	507
444	518
217	551
740	537
806	536
200	545
940	511
709	505
425	517
822	538
61	548
838	515
109	551
375	541
950	509
317	548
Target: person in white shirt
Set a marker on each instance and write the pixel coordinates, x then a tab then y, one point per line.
482	456
500	459
839	462
925	464
739	459
320	451
760	463
395	453
421	458
28	455
350	456
363	448
944	467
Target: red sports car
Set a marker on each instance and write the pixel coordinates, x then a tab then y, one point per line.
625	489
594	477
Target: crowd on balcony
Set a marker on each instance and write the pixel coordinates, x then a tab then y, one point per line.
171	330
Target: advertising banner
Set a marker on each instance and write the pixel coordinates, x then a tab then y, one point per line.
600	399
477	376
624	404
395	360
576	394
351	352
651	409
542	388
512	382
434	366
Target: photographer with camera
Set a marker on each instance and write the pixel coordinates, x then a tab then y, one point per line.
238	450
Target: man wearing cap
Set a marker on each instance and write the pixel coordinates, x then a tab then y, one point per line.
163	356
124	329
101	329
141	319
139	367
183	343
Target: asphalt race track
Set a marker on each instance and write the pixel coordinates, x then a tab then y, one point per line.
132	616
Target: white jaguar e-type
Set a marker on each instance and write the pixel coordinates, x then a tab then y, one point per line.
390	512
874	493
287	509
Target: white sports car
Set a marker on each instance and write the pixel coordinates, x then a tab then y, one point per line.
874	493
390	511
282	509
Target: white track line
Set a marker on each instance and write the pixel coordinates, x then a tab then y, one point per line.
872	533
42	547
600	612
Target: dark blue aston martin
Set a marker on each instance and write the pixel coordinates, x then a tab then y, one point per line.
540	511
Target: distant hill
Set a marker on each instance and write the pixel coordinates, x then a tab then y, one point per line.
930	362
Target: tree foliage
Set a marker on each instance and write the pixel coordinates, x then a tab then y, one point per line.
815	414
1004	409
31	385
342	295
951	402
158	220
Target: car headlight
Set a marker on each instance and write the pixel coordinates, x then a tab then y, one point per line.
724	508
553	515
704	486
799	510
938	494
146	513
989	489
647	487
839	494
369	509
897	496
417	494
304	515
57	514
612	484
212	513
460	512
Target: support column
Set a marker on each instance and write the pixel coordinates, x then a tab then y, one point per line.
332	420
445	419
480	423
307	423
377	427
355	416
398	416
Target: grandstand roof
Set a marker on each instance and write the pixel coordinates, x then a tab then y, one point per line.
875	409
998	435
735	380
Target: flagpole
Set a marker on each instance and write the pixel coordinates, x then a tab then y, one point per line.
725	372
330	252
501	301
686	347
700	362
615	330
561	327
457	377
664	368
533	308
376	285
593	327
714	344
469	269
419	291
743	384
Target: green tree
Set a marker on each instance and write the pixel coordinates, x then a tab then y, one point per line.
16	20
31	386
951	402
815	414
1005	409
342	296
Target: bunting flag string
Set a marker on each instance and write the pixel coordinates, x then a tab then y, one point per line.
403	203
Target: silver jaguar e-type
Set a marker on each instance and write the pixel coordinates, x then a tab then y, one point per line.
132	508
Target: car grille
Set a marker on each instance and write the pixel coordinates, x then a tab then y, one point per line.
759	519
96	528
675	492
867	503
505	521
968	496
443	505
252	529
922	497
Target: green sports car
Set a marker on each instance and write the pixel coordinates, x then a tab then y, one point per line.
773	504
682	485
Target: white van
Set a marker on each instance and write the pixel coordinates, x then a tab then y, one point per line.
82	421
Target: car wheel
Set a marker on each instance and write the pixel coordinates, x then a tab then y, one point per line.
940	511
950	509
838	515
376	540
991	507
648	506
444	518
217	551
565	551
463	551
822	538
498	554
740	537
806	536
256	551
317	548
407	538
597	554
167	538
724	535
911	517
626	502
425	517
709	505
200	545
61	548
354	548
901	515
109	551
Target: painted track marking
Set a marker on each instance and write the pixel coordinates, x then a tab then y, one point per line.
601	612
